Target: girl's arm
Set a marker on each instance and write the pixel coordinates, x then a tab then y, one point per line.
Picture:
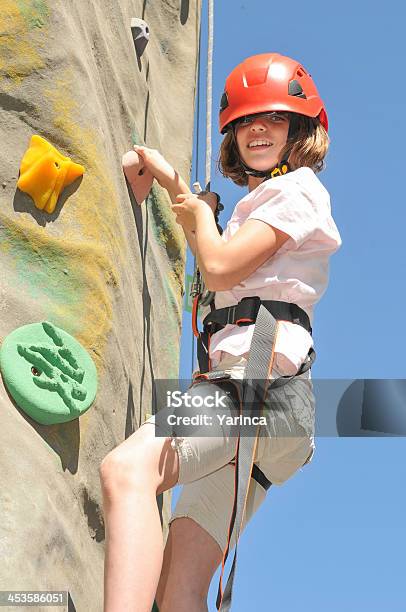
227	264
171	180
176	185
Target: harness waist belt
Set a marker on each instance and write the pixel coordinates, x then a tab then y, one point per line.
246	311
242	314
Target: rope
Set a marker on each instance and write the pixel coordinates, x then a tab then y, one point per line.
198	101
197	144
209	79
209	94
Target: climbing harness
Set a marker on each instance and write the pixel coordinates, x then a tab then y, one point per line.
242	314
265	314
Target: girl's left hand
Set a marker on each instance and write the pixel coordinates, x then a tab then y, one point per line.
186	209
156	164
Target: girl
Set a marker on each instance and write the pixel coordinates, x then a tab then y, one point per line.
276	246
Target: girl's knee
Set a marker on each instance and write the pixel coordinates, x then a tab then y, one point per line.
142	461
124	466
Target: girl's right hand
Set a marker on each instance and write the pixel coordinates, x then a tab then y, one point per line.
210	198
156	164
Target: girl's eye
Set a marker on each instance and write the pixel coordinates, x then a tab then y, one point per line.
272	118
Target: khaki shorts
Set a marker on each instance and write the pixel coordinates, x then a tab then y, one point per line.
208	478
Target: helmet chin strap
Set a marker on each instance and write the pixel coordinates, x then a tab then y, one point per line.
279	169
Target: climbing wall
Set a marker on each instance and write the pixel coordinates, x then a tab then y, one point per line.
102	270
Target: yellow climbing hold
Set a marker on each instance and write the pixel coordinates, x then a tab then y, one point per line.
44	173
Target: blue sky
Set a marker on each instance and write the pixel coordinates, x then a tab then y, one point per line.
333	536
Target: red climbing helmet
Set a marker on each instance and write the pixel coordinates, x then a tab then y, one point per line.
269	82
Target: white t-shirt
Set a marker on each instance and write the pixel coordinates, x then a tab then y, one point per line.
298	204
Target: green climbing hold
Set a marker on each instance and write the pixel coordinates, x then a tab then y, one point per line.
48	373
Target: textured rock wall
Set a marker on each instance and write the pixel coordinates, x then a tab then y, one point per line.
105	270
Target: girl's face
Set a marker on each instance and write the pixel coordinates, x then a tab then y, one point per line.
261	140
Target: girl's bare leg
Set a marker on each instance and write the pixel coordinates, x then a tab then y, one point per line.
132	475
190	559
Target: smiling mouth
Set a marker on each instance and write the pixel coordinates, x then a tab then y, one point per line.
260	146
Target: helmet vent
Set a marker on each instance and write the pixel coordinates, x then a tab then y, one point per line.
301	71
223	102
295	89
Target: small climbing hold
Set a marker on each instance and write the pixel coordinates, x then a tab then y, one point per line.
44	173
139	177
48	373
4	185
140	32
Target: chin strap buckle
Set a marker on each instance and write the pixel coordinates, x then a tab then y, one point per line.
280	170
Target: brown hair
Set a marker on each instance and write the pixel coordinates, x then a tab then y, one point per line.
308	147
